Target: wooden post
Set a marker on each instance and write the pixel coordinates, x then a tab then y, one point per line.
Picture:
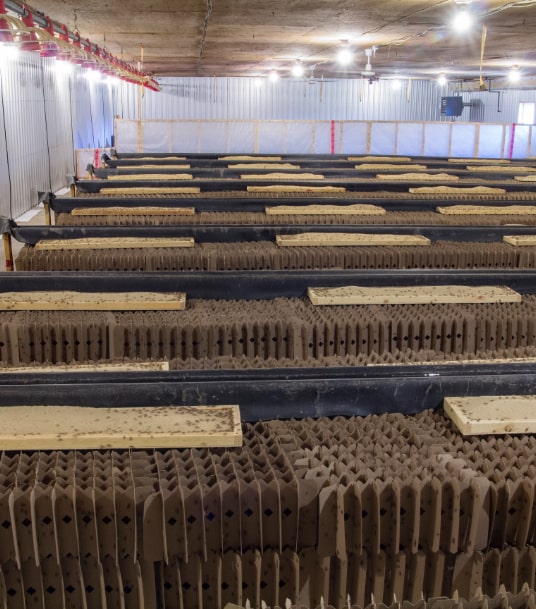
6	237
46	205
72	189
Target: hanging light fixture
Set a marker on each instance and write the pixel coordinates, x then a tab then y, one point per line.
273	76
298	69
442	80
514	76
463	21
345	55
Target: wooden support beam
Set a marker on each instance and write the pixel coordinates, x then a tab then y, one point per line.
457	190
487	210
97	367
281	176
499	169
483	161
525	178
105	243
82	428
380	159
325	210
92	301
154	166
246	157
437	294
295	188
72	190
133	211
348	239
375	166
151	190
263	166
424	177
48	220
520	240
492	414
151	176
8	251
161	158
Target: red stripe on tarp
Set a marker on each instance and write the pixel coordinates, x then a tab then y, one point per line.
332	147
512	139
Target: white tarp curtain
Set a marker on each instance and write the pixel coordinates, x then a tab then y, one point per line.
322	137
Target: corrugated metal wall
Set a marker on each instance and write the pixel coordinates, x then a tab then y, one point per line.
287	99
496	106
48	113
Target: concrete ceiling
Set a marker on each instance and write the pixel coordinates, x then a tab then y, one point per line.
250	38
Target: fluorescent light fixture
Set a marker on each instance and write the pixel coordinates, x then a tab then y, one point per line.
297	69
345	56
463	21
514	76
273	76
442	80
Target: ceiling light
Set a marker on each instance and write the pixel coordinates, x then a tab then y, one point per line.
257	83
442	80
396	84
297	69
514	75
345	56
463	21
273	76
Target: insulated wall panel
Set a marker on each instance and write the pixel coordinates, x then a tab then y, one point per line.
272	137
437	139
127	133
156	136
520	142
383	138
322	137
242	137
409	139
532	150
213	136
463	140
491	141
185	136
299	137
353	138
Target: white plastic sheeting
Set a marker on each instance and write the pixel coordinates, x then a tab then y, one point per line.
46	113
453	139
